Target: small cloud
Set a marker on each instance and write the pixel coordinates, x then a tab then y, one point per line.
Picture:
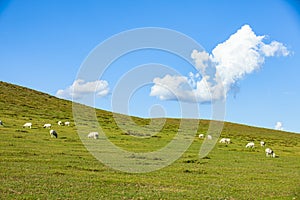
218	73
278	126
80	88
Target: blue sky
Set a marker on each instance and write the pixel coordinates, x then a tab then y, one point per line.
43	44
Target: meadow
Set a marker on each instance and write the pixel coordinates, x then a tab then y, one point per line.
35	166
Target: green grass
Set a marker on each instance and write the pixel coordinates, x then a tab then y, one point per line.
35	166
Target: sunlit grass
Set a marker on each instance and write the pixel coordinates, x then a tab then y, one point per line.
35	166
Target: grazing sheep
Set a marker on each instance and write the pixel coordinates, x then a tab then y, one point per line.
47	125
225	140
1	123
28	124
59	123
270	153
250	145
94	135
53	133
67	123
209	137
262	143
201	136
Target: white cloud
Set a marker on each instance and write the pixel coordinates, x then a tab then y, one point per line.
275	48
172	88
184	89
243	53
201	60
79	88
278	126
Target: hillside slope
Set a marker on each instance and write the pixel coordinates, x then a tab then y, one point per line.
35	166
20	101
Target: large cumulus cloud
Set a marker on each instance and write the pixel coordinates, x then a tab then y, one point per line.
217	72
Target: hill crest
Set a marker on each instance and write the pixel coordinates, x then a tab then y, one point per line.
19	101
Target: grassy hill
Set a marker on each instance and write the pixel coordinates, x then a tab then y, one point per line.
35	166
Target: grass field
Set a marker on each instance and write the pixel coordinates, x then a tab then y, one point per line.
35	166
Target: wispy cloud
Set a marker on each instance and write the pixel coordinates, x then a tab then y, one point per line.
278	126
79	88
243	53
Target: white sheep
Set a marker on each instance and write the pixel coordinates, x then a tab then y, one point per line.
225	140
47	125
250	145
59	123
201	136
262	143
270	153
53	133
209	137
94	135
67	123
28	124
